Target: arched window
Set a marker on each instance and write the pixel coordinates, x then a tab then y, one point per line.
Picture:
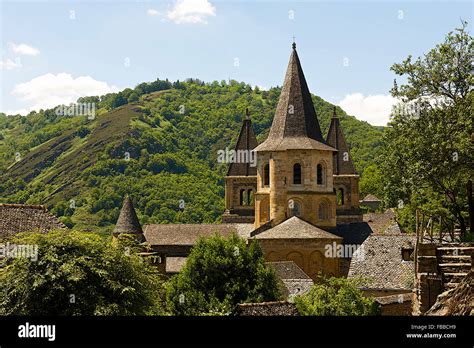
297	174
250	197
320	174
340	196
294	208
266	175
243	197
323	211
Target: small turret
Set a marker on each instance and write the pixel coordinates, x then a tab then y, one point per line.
345	178
342	158
128	222
241	178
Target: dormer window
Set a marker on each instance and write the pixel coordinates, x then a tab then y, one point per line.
408	254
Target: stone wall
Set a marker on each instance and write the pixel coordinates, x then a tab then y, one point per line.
234	211
439	267
400	304
272	202
277	308
308	254
350	186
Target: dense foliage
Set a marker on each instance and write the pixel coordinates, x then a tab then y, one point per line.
336	296
158	142
76	273
220	273
429	140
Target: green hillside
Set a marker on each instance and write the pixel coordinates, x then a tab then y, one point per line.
157	142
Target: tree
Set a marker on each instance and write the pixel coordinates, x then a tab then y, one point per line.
428	146
77	274
336	296
220	273
133	97
371	181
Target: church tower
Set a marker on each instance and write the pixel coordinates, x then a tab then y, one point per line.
295	165
346	180
241	179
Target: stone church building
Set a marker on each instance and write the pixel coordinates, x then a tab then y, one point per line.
301	197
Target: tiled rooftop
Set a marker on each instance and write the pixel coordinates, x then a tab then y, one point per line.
16	218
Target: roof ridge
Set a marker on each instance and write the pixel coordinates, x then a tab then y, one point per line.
200	224
321	233
285	261
261	303
29	206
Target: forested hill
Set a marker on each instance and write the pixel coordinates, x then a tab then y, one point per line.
157	142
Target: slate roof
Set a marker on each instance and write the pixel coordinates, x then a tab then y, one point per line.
246	142
379	261
383	222
295	125
371	198
337	140
374	223
188	234
175	264
354	232
128	220
288	270
16	218
294	280
295	228
276	308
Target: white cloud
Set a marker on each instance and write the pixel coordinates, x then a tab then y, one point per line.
17	112
9	64
191	11
49	90
23	49
374	109
152	12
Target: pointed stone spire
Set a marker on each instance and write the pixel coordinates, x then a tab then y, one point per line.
247	141
342	159
295	125
128	220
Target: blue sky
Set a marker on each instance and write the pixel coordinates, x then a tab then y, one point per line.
55	51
